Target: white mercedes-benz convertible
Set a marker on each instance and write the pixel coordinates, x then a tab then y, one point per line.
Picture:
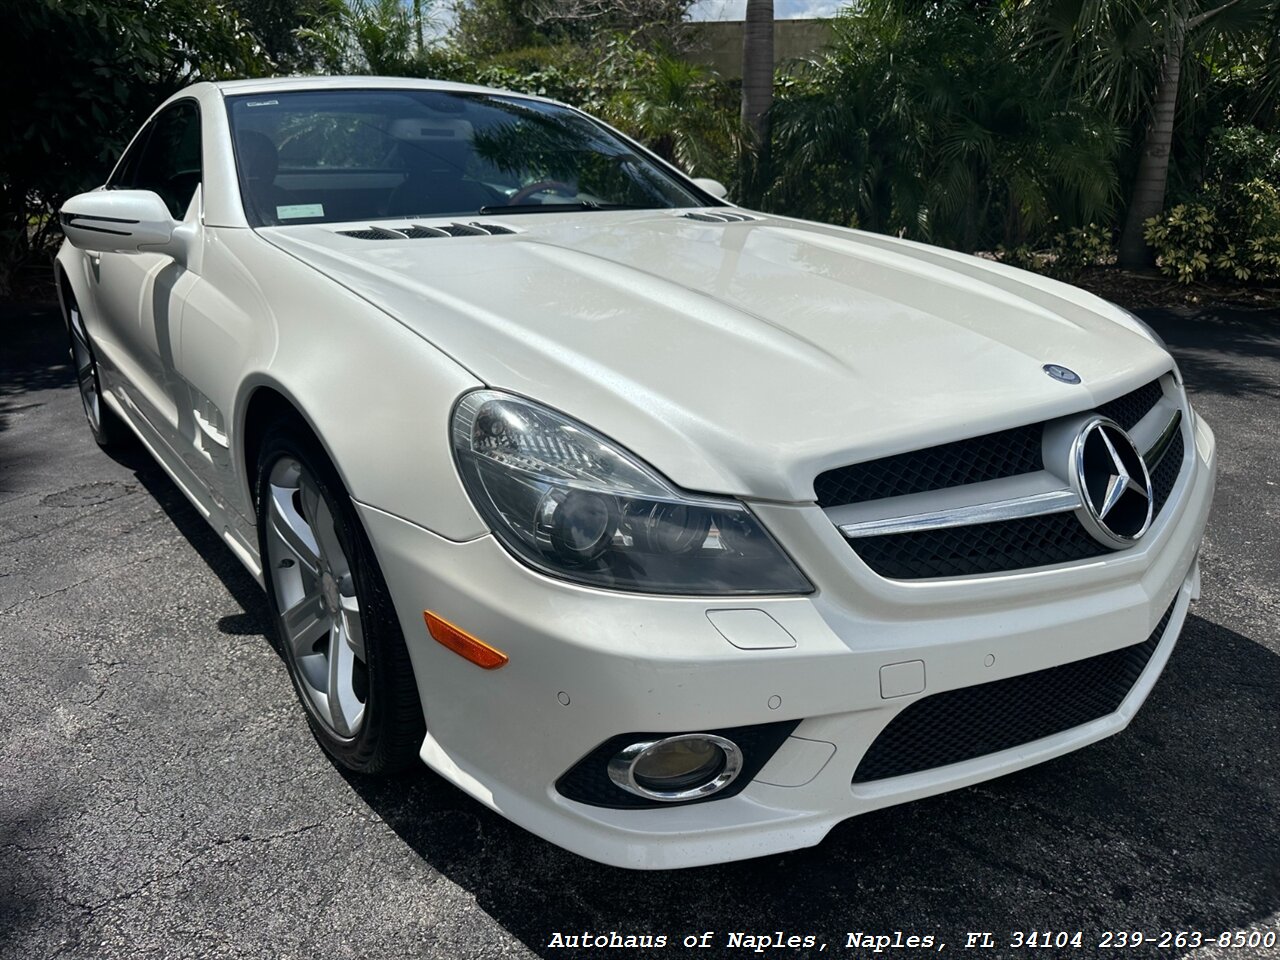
675	532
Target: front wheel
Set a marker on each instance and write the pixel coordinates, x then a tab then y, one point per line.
107	428
336	626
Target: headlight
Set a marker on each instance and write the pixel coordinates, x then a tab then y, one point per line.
577	506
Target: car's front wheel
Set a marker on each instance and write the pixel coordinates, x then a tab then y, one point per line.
107	428
334	619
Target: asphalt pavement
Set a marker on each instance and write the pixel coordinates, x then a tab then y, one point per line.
160	795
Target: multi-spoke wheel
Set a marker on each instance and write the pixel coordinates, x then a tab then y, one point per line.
320	615
337	630
108	429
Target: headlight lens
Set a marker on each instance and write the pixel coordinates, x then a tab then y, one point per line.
577	506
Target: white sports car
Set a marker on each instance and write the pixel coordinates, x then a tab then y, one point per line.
675	532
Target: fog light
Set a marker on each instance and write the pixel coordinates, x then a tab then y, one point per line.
676	769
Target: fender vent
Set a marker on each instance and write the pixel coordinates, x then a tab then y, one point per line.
718	217
420	231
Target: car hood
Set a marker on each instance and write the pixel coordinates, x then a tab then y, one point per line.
744	357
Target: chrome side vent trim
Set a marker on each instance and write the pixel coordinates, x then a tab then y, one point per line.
424	231
373	233
718	216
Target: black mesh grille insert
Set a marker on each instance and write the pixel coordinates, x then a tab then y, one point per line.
975	721
980	548
1133	406
1003	454
416	232
1165	475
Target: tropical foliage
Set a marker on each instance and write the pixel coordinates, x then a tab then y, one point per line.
1230	229
929	124
79	77
1043	130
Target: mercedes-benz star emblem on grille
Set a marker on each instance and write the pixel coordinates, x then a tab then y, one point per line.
1064	374
1112	481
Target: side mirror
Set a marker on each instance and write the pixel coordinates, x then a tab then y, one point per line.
122	221
713	187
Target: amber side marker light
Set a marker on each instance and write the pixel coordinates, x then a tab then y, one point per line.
463	643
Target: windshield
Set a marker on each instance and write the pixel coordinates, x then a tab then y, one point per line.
332	156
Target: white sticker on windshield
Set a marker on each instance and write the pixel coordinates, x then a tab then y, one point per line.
262	103
295	210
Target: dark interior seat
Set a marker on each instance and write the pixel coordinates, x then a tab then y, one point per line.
259	164
435	182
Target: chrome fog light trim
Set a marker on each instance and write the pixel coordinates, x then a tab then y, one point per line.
717	773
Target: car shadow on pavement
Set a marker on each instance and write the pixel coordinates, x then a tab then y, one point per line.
1207	343
254	618
1169	825
33	357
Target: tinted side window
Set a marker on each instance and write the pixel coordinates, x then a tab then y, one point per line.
170	161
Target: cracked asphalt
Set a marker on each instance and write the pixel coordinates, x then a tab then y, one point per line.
160	795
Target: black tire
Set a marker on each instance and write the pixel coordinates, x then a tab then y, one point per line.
390	733
108	430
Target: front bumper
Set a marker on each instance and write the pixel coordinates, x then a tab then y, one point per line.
586	665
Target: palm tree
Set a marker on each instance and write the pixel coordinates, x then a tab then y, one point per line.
757	68
1129	55
678	109
926	123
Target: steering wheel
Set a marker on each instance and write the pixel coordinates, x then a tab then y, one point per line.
524	193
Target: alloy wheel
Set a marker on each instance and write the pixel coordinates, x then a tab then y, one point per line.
314	584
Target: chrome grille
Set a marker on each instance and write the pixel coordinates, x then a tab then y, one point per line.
1021	514
990	457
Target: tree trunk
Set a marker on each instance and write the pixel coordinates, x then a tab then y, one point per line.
757	96
757	67
1153	167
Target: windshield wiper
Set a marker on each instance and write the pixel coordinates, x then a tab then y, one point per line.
555	207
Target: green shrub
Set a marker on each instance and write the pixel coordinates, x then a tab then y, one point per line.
1183	240
1231	228
1067	254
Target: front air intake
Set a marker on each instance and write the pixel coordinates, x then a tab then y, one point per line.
718	216
976	721
426	231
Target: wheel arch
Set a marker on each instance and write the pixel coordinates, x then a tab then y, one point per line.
66	291
265	402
